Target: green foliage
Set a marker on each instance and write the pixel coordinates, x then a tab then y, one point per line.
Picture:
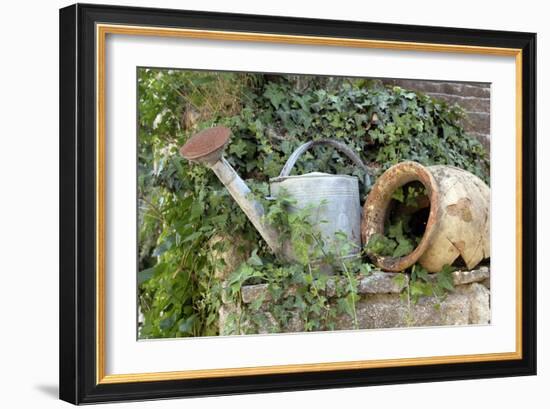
381	245
404	244
294	227
184	209
296	289
423	284
181	207
401	236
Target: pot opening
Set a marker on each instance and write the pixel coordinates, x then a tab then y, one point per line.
405	221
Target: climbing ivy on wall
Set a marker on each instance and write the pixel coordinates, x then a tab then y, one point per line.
187	219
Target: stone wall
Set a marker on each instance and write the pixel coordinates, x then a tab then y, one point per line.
381	305
472	96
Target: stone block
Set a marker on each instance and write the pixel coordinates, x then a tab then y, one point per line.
478	122
389	311
478	296
471	276
469	104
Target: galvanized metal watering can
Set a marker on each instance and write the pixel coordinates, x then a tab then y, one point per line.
334	198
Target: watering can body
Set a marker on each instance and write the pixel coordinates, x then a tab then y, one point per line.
334	204
333	200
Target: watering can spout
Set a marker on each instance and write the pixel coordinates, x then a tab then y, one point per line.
207	147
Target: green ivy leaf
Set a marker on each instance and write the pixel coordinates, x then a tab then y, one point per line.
145	275
400	280
381	245
275	95
445	278
186	326
417	288
163	247
398	195
254	259
238	148
403	248
421	272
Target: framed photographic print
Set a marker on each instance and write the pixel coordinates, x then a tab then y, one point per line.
258	203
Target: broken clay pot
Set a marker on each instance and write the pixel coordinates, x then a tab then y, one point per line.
458	223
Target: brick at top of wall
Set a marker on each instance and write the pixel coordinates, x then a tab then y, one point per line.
477	90
474	98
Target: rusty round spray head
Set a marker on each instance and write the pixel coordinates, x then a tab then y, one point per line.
206	146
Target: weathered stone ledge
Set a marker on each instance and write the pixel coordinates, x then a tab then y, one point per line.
380	305
468	304
377	282
471	276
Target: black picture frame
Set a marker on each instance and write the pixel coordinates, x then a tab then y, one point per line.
78	237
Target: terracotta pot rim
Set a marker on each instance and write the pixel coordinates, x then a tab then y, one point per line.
377	204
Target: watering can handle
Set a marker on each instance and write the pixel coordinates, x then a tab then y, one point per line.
335	144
